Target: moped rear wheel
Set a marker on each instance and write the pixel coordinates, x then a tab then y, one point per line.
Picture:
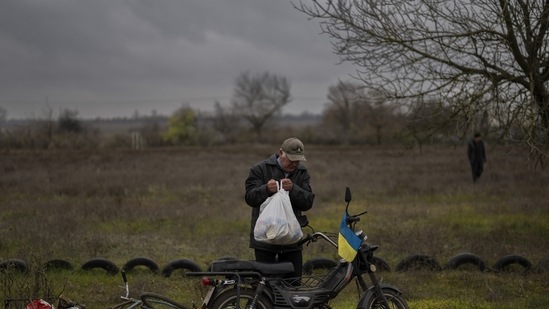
229	300
394	299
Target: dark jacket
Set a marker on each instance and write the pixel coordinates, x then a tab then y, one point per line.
301	195
476	152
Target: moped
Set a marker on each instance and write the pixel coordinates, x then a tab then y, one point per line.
250	284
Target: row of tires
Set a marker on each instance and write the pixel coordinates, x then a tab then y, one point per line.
108	266
467	261
413	262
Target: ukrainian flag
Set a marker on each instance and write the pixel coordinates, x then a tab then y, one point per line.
348	243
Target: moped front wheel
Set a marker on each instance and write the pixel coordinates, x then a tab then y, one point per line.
393	297
229	300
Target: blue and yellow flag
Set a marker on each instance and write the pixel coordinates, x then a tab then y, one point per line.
348	243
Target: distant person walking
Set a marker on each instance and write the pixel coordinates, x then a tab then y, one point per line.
477	155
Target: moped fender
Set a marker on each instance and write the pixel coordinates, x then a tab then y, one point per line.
371	293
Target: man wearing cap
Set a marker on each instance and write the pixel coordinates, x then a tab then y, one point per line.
285	167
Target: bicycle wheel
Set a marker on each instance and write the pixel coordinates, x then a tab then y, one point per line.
153	301
228	300
128	304
394	300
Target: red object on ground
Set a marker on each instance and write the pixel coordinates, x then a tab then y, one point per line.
39	304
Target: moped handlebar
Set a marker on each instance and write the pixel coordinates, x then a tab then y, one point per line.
353	219
305	239
314	237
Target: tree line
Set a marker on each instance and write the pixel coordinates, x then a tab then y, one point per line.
352	115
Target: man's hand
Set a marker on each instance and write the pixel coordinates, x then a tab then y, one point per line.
271	186
287	184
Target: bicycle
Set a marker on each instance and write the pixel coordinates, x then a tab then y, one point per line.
147	300
255	285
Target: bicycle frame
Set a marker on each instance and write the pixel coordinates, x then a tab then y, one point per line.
147	300
128	303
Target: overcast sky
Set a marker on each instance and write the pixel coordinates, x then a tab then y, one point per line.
110	58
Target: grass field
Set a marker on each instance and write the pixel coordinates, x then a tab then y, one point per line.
167	204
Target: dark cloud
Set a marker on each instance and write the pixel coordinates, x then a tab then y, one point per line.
105	57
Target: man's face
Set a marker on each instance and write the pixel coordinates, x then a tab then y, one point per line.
288	165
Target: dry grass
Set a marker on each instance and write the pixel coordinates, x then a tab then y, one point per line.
188	202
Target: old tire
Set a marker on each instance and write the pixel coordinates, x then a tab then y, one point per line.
58	264
184	264
16	264
318	263
465	258
418	262
223	258
105	264
141	261
506	261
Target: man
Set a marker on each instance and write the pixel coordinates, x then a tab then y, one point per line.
477	156
285	167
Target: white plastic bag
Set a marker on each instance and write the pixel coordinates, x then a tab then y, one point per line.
277	223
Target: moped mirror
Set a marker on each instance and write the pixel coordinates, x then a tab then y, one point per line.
347	195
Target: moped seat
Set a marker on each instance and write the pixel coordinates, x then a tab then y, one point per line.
266	269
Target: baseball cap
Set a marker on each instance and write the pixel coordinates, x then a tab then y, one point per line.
294	149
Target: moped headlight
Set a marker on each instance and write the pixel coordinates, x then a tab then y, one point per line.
361	235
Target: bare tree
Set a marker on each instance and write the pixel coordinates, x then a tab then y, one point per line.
226	122
357	114
427	119
482	55
341	111
68	122
257	98
381	115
